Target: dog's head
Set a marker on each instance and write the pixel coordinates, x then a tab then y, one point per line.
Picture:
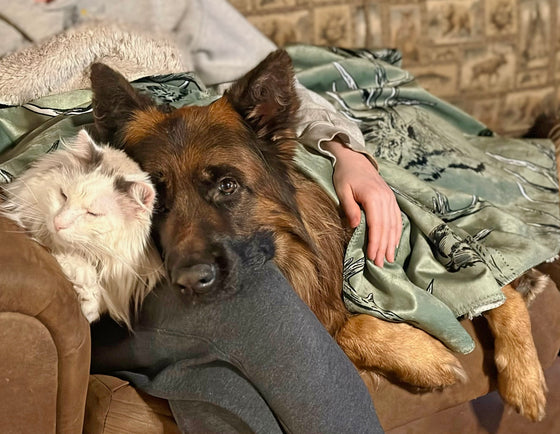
221	171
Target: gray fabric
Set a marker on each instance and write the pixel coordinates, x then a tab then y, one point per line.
259	358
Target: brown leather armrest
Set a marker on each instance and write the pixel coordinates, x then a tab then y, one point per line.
32	285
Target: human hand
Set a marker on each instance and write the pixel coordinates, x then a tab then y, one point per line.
358	183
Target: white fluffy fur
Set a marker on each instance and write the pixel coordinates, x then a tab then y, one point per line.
62	62
107	255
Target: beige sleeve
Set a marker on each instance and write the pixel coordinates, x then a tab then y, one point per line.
319	122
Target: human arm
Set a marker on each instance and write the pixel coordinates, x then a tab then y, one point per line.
358	183
356	179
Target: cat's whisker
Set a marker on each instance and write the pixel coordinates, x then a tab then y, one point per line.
22	202
8	194
34	218
28	231
30	191
23	231
97	250
89	250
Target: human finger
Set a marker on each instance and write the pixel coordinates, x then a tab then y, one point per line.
375	228
395	231
372	223
349	205
384	233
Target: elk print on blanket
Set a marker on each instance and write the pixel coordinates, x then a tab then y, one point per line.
227	170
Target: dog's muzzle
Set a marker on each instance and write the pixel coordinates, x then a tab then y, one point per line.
210	277
197	278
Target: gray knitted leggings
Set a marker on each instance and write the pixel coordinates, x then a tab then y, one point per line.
258	361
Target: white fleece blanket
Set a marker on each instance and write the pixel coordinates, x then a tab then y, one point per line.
63	62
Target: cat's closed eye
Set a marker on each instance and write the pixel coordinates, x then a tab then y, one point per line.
94	214
63	195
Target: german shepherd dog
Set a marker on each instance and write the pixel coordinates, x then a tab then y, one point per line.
227	170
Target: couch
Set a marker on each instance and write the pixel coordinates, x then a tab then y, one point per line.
45	386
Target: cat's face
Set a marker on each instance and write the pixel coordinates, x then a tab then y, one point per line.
85	197
84	208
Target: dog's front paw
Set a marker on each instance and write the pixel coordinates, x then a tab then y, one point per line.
429	364
521	382
403	353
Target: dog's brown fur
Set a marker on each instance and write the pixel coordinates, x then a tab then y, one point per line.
227	170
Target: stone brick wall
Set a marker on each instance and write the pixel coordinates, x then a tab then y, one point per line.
497	59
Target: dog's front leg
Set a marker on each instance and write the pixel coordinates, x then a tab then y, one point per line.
399	351
521	380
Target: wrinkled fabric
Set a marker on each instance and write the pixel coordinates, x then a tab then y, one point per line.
478	209
224	364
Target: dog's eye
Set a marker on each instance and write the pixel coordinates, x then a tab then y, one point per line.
227	186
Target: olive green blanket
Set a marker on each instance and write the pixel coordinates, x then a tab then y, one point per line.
478	209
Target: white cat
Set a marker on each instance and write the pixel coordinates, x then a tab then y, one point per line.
91	206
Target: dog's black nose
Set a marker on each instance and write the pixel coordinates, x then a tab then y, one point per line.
199	278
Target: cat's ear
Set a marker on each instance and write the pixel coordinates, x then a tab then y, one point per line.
84	137
266	97
84	147
143	194
114	103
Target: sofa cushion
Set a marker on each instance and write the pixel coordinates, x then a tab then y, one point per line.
28	395
114	406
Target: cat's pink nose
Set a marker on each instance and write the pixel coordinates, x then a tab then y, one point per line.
58	226
60	223
66	218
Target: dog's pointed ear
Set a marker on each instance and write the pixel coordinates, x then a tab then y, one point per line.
266	97
114	102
